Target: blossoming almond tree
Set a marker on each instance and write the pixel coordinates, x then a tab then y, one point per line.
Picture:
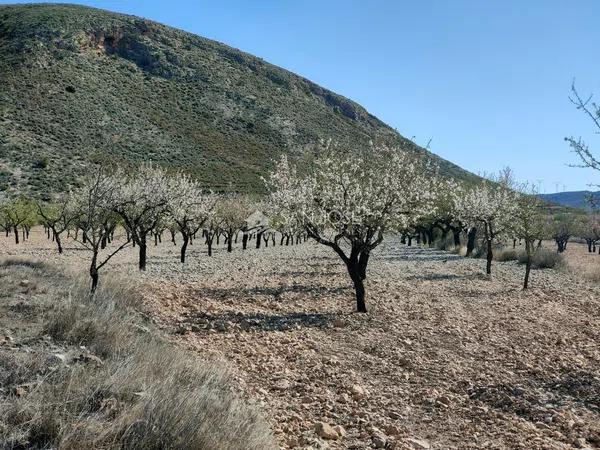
142	199
233	210
92	206
58	217
189	208
490	206
528	223
349	199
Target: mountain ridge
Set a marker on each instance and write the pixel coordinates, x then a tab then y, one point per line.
81	85
573	199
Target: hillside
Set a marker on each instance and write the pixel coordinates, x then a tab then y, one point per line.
81	86
573	199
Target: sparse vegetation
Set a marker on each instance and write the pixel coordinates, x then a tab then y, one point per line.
113	89
125	388
542	258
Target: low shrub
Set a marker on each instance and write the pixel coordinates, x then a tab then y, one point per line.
505	254
126	388
542	258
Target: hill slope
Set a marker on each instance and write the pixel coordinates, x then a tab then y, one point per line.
573	199
81	85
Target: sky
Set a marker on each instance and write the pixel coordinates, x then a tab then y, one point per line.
486	82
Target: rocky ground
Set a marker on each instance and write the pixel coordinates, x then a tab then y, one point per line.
445	358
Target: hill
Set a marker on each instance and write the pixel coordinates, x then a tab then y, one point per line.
573	199
81	85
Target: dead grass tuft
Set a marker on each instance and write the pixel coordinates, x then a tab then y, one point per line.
543	259
131	390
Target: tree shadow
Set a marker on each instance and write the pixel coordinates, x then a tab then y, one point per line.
259	321
416	254
435	277
270	291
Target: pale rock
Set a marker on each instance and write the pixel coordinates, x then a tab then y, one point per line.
340	430
358	392
282	385
419	444
20	391
325	431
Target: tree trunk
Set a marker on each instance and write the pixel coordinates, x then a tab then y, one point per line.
258	239
528	246
409	241
244	241
229	241
94	272
58	243
209	243
186	239
429	233
363	260
490	255
143	247
16	231
359	289
471	235
456	236
443	238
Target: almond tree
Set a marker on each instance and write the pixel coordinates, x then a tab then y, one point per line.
528	223
142	199
189	207
93	206
16	213
592	110
233	210
58	217
590	230
489	206
562	228
349	199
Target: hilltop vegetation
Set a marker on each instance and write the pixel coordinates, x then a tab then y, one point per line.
81	85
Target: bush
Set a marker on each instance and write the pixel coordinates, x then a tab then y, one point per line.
505	254
133	390
542	258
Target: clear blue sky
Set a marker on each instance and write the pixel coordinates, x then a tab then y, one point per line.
487	80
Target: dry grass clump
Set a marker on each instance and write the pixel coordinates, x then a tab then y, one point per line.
505	254
22	262
105	323
126	388
543	259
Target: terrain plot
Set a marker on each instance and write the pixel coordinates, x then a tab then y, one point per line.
445	358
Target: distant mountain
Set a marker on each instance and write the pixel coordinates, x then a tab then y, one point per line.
81	85
574	199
